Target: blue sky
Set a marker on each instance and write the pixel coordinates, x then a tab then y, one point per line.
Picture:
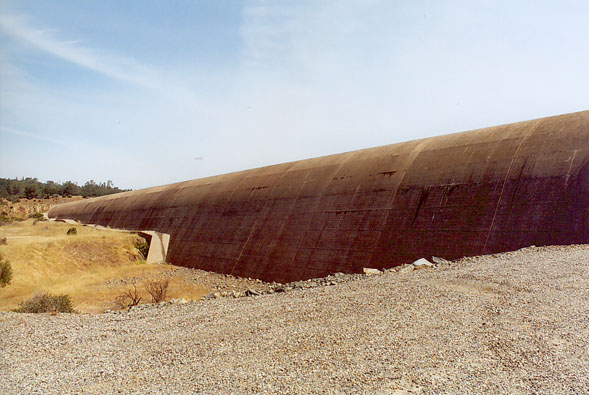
146	93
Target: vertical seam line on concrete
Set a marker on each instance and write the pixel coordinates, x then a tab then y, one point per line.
568	175
412	156
254	226
339	167
532	128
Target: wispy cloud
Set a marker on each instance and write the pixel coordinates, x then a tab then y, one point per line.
63	143
300	80
121	68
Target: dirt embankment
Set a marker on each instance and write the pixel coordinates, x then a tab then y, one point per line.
24	208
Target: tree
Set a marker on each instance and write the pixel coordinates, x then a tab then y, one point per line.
33	191
69	189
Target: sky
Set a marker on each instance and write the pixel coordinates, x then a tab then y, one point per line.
146	92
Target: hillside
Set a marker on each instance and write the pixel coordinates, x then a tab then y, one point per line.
93	267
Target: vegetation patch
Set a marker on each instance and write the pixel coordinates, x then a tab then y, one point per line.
37	216
157	289
72	231
13	189
5	272
129	298
4	219
142	246
47	303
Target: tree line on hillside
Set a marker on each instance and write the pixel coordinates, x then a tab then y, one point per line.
32	188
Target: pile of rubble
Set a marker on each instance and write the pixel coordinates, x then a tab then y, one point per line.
333	279
227	286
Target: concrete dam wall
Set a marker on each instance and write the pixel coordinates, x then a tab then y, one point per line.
483	191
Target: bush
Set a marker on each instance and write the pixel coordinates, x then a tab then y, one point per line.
158	289
142	246
37	216
72	231
4	219
5	272
3	241
47	303
129	298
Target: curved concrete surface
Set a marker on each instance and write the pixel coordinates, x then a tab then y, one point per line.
469	193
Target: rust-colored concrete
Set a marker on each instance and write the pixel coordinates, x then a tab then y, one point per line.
470	193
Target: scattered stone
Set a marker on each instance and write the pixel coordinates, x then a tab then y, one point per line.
252	292
370	271
407	268
376	334
440	261
422	263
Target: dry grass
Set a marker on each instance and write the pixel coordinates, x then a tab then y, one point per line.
93	267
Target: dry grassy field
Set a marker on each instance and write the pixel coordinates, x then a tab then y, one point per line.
93	267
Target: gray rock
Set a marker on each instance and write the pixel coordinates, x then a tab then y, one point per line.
252	292
370	271
422	263
440	261
407	268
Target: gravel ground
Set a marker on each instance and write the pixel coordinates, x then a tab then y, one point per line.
221	284
509	323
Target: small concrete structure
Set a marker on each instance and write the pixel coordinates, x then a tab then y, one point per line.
158	246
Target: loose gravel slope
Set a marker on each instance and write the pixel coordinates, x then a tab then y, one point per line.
509	323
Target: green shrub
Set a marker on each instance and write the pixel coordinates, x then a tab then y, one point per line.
37	216
47	303
5	272
72	231
142	246
4	219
